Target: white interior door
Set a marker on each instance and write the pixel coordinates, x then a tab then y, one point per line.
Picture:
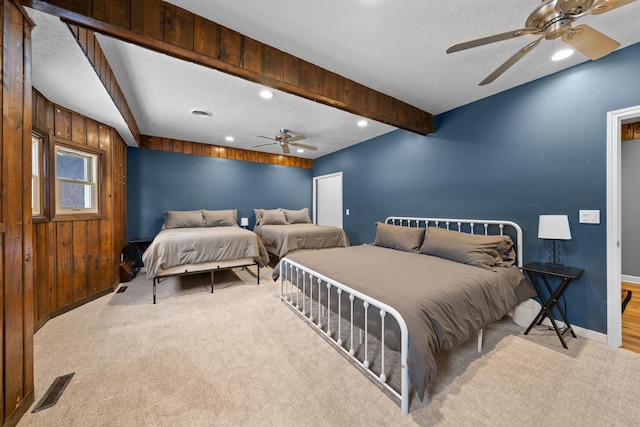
327	199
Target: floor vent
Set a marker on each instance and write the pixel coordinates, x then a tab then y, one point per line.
52	395
121	289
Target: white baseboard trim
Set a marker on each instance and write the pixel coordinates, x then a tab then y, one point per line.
582	332
631	279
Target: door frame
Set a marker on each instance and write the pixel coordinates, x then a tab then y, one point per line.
615	120
315	194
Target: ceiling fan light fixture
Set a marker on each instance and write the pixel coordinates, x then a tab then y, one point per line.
266	94
562	54
201	113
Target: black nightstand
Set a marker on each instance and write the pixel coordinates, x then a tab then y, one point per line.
539	271
134	250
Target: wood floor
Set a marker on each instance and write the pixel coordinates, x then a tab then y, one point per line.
631	318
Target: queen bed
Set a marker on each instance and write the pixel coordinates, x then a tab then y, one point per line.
201	241
284	230
424	286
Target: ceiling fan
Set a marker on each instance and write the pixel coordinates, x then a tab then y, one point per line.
284	139
552	20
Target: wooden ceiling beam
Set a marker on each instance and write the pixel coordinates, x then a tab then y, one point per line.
166	28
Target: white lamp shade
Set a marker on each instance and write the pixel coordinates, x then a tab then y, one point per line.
244	222
554	227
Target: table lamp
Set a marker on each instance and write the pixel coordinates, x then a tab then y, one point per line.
554	227
244	222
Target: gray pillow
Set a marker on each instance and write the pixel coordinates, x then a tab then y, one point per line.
473	249
220	218
407	239
273	217
300	216
183	219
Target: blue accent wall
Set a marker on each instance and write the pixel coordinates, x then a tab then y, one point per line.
539	148
159	181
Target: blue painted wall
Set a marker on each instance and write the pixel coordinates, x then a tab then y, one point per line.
536	149
159	181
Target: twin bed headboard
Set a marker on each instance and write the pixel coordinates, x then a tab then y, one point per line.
471	226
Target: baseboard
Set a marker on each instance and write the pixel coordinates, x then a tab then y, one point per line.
22	409
631	279
582	332
57	312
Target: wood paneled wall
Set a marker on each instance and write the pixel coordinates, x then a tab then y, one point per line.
630	131
170	29
16	262
76	261
209	150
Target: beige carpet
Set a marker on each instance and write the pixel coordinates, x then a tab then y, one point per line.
241	357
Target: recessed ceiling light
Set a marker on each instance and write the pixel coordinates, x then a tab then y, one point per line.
362	123
562	54
201	113
300	150
266	94
229	138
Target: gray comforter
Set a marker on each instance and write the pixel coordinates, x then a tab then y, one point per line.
443	302
181	246
282	239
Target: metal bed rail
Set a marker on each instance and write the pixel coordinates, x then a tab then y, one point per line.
299	286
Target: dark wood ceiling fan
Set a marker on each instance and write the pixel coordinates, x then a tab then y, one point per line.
551	20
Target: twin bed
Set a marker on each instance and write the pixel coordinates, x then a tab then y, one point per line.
424	286
201	241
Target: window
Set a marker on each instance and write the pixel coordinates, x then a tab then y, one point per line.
77	171
38	177
36	188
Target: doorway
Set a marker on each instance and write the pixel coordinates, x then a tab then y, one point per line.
615	120
327	199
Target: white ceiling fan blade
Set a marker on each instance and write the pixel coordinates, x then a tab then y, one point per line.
305	146
601	6
296	138
509	62
263	145
491	39
590	42
265	137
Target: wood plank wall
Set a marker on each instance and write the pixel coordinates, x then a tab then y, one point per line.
209	150
630	131
78	260
16	261
167	28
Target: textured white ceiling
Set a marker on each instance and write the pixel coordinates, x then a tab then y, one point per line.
396	47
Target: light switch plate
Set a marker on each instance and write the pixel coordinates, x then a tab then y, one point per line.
589	216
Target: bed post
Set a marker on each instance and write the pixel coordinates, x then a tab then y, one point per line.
154	289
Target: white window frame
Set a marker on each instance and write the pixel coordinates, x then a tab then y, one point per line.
36	174
93	158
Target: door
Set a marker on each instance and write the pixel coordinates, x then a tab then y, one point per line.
327	199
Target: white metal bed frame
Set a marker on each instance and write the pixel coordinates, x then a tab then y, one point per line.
302	303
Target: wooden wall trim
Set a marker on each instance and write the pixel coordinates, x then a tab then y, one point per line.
169	29
209	150
87	40
630	131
